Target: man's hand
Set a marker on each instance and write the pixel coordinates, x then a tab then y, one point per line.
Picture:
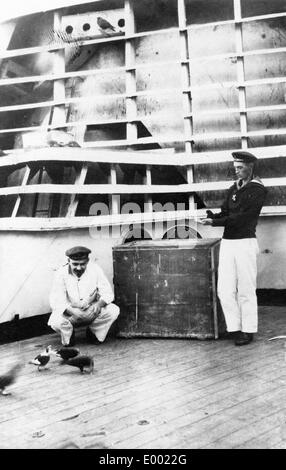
92	312
86	314
206	221
82	304
73	313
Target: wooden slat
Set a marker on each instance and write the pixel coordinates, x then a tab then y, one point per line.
74	198
85	73
57	76
229	55
127	188
58	112
148	182
228	135
75	154
94	98
66	223
147	140
240	72
16	158
56	47
271	16
18	200
133	94
252	109
63	101
246	83
187	97
30	50
114	202
110	189
130	74
196	112
103	71
248	19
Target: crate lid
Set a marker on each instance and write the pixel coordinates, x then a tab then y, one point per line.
192	243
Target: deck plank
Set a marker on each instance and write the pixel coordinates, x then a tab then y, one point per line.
151	393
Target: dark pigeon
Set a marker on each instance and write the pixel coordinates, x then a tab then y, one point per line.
82	362
67	353
9	378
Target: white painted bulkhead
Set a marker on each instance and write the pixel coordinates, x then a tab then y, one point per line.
30	259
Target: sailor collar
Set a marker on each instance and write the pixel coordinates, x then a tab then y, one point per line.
238	185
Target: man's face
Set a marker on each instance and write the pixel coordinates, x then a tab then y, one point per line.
242	170
78	266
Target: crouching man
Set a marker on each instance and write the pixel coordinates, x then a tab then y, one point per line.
81	295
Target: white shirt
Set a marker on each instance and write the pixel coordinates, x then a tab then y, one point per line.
68	288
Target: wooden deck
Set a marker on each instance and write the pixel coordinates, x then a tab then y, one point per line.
152	394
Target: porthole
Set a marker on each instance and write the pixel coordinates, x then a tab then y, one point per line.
86	27
121	23
69	29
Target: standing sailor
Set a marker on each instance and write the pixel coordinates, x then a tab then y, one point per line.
237	270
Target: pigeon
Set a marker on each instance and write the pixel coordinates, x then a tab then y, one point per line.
104	25
9	378
67	353
42	359
81	362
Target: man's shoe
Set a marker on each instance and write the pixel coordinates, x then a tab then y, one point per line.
244	338
91	338
231	335
72	341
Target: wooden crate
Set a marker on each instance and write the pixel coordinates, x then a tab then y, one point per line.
167	288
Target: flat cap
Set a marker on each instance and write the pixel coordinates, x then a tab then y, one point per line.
78	252
243	156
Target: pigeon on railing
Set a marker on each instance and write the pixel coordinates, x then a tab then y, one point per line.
105	26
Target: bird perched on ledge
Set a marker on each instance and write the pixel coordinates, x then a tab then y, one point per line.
82	362
41	360
105	26
9	378
67	353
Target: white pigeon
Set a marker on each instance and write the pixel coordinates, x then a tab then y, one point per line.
41	360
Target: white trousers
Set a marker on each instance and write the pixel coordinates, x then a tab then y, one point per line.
237	274
99	327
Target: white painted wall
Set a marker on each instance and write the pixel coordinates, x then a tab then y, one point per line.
29	261
28	264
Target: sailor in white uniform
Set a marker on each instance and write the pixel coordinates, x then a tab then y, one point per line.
81	295
238	251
